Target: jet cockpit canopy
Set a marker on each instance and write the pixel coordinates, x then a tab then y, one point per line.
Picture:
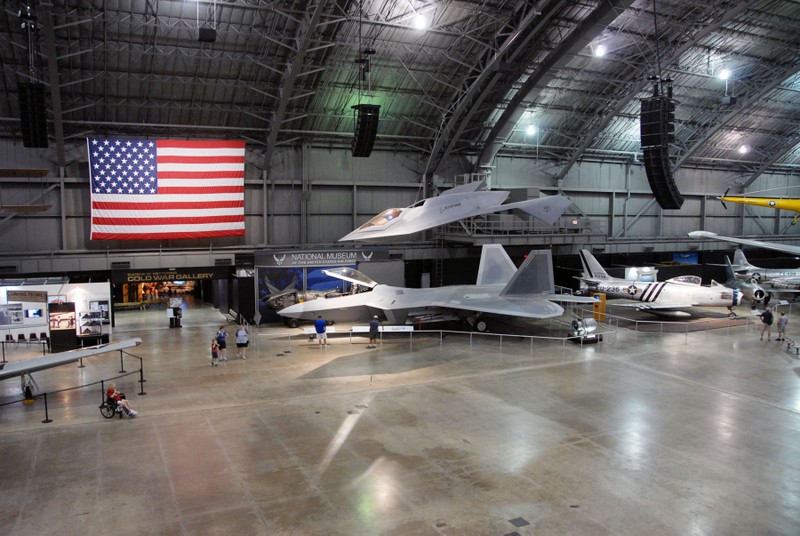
352	275
383	219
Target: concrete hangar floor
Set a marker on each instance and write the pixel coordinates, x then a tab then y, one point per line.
645	433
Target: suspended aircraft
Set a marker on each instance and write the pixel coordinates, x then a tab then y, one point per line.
785	248
500	289
672	297
781	203
25	368
460	202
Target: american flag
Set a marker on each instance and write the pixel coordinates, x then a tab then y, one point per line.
166	189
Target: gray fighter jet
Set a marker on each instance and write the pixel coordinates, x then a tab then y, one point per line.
500	289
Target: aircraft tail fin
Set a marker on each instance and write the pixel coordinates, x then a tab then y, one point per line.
740	261
729	274
546	208
591	267
495	267
535	276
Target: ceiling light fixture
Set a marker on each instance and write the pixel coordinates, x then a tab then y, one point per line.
420	23
600	51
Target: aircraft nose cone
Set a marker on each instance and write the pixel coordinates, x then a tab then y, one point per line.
292	311
737	297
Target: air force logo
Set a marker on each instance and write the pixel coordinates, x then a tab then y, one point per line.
279	261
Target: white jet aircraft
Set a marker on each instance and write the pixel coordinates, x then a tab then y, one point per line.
23	369
451	205
500	289
666	298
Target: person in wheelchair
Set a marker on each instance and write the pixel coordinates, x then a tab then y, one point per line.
116	398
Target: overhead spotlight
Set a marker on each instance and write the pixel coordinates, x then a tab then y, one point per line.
600	51
530	130
725	74
419	22
744	149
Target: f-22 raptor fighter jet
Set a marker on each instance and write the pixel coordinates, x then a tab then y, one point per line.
500	289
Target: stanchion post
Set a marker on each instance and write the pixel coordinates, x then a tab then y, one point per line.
47	418
141	381
121	363
81	365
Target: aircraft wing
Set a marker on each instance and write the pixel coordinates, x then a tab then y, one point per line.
785	248
20	368
503	305
548	209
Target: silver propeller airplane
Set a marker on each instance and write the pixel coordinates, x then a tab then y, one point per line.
500	289
666	298
455	204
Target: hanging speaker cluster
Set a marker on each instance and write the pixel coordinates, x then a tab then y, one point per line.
657	125
33	114
367	116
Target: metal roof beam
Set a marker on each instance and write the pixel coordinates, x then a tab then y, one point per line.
580	36
636	87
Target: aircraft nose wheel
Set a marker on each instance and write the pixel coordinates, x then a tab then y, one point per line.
481	326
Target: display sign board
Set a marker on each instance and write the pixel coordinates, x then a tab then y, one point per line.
26	296
320	257
167	275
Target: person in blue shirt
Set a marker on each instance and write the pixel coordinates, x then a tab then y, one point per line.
374	328
322	337
222	343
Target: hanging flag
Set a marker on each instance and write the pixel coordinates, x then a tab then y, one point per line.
166	189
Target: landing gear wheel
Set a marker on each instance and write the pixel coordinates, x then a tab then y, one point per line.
481	326
292	322
107	411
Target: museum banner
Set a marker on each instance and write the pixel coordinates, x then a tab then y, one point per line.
320	257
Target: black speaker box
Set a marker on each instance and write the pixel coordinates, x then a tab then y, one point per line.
206	34
659	174
32	114
657	121
367	117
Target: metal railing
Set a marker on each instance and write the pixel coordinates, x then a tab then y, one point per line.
122	373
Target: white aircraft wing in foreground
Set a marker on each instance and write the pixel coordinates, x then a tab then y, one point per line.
455	204
666	298
500	289
26	367
785	248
